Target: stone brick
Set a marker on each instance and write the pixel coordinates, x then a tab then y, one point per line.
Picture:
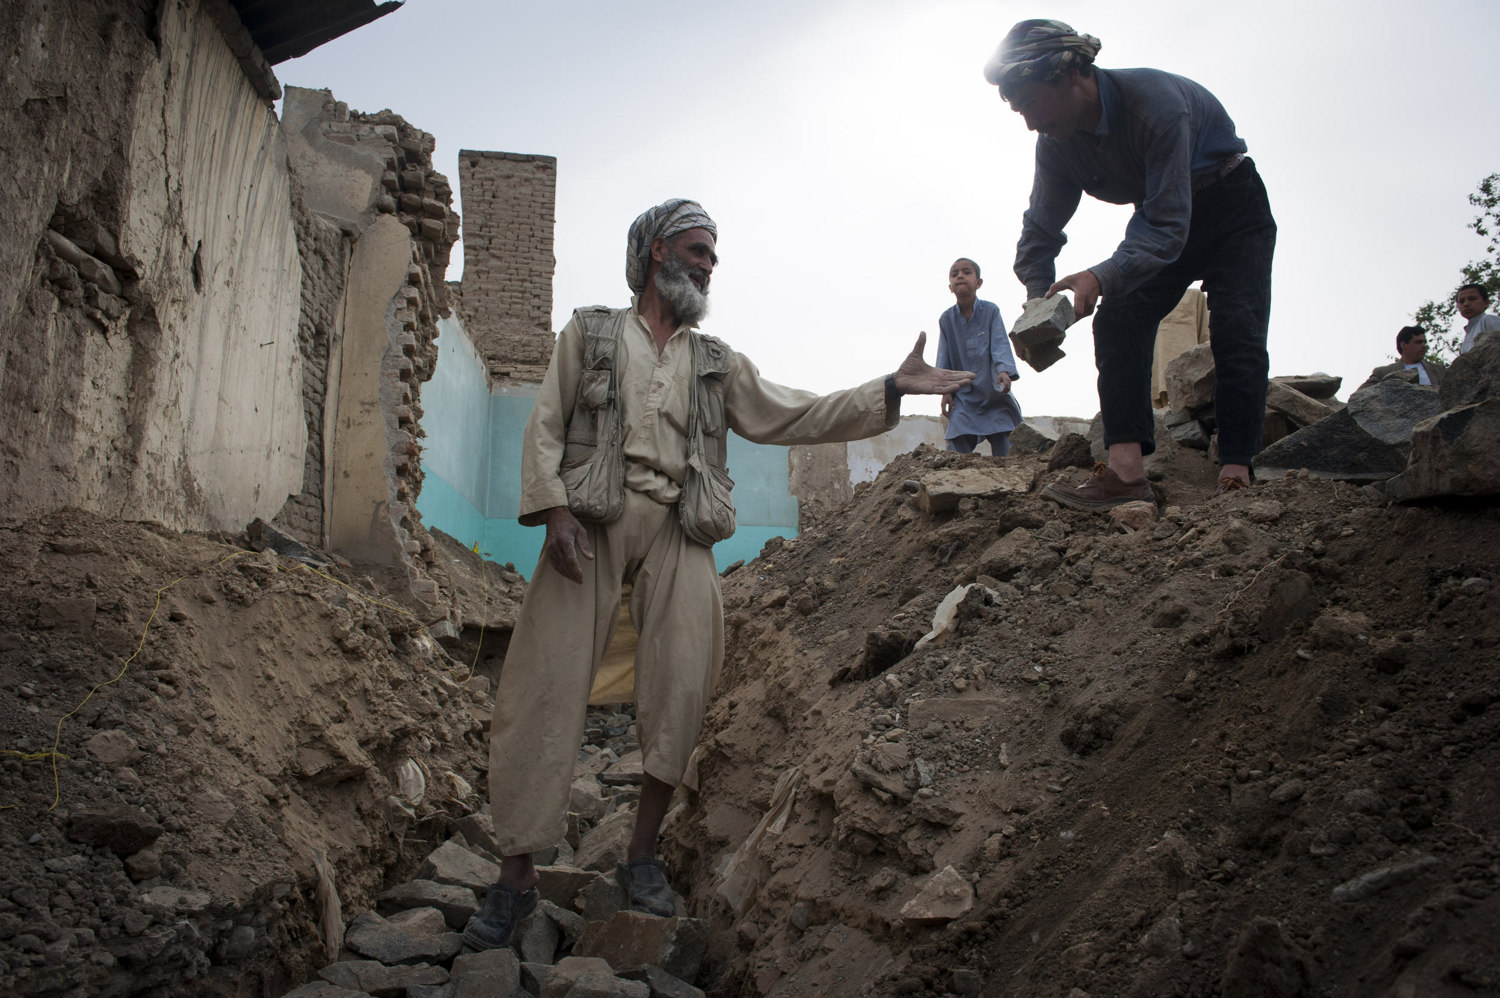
456	903
632	938
451	863
945	897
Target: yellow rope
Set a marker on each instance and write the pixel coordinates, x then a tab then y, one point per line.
54	755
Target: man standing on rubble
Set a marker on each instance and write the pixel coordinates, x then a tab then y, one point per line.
623	461
1166	145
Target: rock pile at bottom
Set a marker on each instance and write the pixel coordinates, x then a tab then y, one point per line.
581	941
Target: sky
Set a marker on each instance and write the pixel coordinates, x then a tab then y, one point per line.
849	150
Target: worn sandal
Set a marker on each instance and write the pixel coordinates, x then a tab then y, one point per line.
645	886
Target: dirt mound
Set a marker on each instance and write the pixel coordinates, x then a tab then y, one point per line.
1246	749
269	718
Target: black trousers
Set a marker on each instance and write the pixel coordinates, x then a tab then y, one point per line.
1230	242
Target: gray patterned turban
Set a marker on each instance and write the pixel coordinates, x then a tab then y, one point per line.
1040	50
666	220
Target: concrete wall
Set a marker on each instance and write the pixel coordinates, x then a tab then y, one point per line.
508	202
149	277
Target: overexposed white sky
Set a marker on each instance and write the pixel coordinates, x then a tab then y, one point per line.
849	150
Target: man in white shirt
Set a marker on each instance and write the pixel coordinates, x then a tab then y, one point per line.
1472	301
1411	349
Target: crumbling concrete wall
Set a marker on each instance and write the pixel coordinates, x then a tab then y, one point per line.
149	285
509	204
370	178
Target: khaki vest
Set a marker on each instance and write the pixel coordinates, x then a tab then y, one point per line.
593	465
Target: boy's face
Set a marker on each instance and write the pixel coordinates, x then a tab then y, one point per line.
1470	303
962	281
1414	349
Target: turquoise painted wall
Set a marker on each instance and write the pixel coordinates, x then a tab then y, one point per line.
471	464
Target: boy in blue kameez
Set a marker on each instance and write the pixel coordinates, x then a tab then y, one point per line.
971	337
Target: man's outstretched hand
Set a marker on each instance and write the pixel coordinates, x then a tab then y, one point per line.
917	377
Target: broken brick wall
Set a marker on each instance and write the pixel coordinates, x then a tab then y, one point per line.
369	178
509	204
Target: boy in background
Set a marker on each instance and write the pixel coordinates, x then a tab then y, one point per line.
971	337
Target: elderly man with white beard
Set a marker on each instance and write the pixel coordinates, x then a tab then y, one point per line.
624	463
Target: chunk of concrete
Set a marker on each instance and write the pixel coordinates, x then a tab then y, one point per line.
1302	410
494	973
375	978
556	981
595	985
1190	378
561	884
456	903
632	938
1317	386
604	845
942	490
1038	334
661	983
118	827
1337	448
1473	376
945	897
372	936
1389	410
1453	454
451	863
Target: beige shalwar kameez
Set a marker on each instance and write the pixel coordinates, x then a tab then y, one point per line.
564	627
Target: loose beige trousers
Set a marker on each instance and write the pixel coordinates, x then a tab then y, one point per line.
559	640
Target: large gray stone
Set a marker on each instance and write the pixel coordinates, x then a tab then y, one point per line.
661	983
605	844
1038	334
456	903
570	924
1337	448
118	827
561	884
494	973
942	490
1071	451
946	896
1318	386
375	978
322	989
1302	410
632	938
1029	439
557	981
1456	453
478	830
1190	378
537	940
1389	410
1473	376
596	985
372	936
451	863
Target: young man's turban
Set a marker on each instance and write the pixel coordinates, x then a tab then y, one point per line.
666	220
1040	50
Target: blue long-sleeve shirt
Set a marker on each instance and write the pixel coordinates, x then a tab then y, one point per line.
1158	132
978	344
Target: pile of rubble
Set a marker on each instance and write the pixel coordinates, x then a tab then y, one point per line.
1424	441
581	942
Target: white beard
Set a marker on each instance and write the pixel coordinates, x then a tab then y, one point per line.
678	290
